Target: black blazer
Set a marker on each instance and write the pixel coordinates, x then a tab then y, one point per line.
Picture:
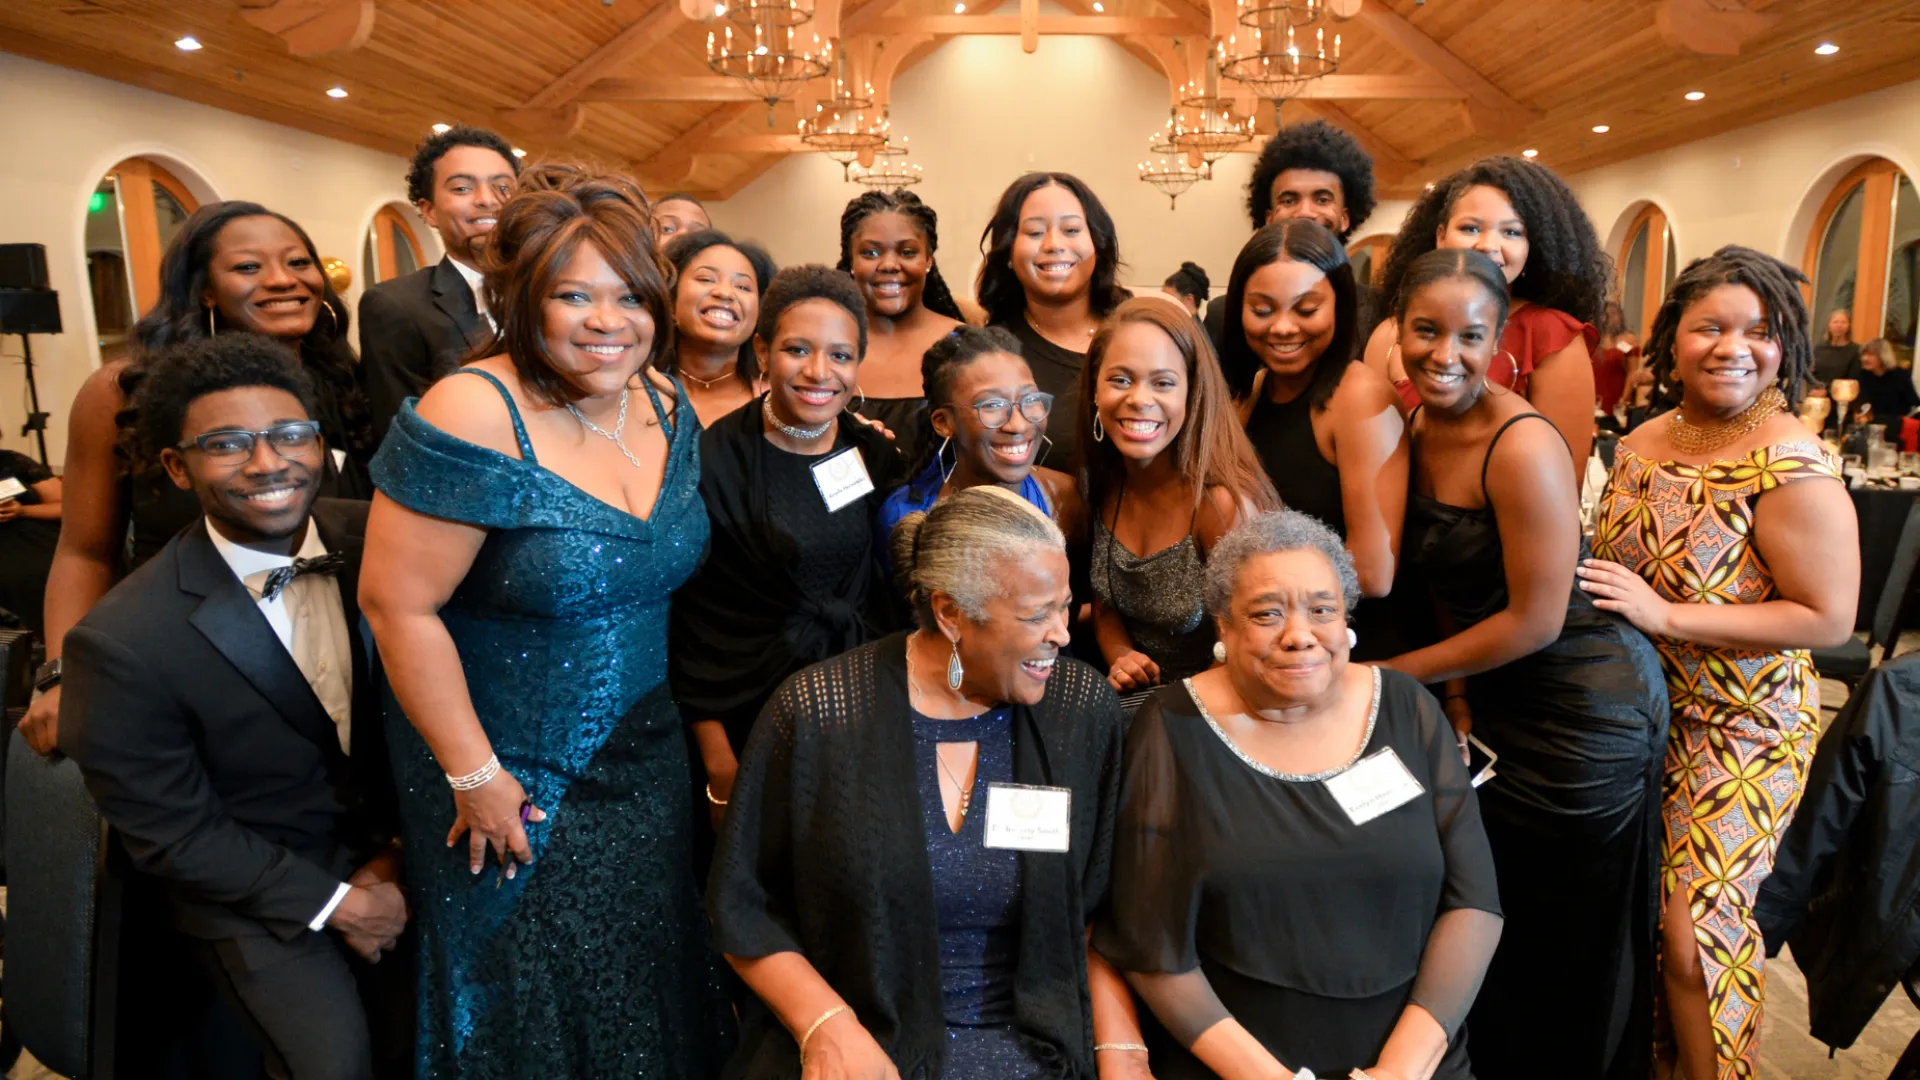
414	329
208	752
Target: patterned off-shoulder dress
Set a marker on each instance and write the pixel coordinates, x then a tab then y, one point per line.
1744	721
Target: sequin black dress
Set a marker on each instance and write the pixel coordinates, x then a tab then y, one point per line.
594	961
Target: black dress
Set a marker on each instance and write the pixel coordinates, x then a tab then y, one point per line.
902	417
1580	728
1315	933
1055	371
26	546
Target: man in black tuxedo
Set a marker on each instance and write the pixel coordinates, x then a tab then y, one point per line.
419	326
1312	170
222	704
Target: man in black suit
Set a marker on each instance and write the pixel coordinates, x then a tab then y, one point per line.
419	326
222	704
1311	170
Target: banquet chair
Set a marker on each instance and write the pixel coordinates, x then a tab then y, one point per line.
1850	661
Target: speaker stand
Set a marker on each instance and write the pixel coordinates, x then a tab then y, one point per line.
36	424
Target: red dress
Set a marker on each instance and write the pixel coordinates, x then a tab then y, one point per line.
1610	375
1533	333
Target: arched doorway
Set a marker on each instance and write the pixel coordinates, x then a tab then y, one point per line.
1369	256
391	247
133	213
1863	254
1646	264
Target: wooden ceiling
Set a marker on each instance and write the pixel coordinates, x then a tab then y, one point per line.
1427	85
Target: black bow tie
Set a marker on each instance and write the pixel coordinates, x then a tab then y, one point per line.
329	565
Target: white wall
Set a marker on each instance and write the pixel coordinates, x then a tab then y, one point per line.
65	129
978	113
1759	185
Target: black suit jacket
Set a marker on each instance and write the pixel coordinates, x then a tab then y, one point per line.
207	751
414	329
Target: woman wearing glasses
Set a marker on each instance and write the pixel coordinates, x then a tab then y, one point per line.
988	424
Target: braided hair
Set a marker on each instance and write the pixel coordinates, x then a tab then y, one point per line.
941	365
934	295
1566	269
1776	283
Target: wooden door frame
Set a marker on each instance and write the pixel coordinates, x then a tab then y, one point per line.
1653	283
383	251
1879	182
134	179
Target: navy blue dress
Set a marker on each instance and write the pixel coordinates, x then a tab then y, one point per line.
594	961
976	892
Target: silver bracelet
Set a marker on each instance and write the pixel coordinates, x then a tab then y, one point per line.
1132	1048
477	777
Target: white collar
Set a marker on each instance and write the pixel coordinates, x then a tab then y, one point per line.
472	277
245	560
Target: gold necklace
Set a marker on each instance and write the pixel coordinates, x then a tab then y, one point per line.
1690	438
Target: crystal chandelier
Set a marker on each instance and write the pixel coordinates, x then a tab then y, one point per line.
1271	52
1171	175
769	59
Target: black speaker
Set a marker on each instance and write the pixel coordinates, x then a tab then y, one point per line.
29	311
23	266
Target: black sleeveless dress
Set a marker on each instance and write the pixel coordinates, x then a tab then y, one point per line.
1572	814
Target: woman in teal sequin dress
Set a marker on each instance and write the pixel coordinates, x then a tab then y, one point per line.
535	512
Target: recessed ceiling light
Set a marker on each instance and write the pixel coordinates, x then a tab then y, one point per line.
1825	48
1601	129
337	92
1099	6
1696	95
959	9
517	152
1529	153
188	44
442	129
719	11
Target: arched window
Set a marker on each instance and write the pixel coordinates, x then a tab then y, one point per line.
132	215
391	248
1863	254
1648	243
1368	257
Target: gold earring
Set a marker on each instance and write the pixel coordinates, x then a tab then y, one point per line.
210	329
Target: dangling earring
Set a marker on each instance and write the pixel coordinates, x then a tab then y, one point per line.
1099	433
851	407
1219	652
1044	450
954	670
946	471
210	329
1513	375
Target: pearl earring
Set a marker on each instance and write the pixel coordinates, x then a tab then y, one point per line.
1219	652
1352	638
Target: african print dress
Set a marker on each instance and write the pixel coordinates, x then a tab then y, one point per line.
1745	722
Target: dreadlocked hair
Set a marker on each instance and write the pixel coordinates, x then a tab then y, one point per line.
1776	283
1566	269
934	295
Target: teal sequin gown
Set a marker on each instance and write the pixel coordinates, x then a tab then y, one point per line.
594	961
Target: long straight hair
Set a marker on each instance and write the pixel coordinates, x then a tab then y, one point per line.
1211	450
1300	240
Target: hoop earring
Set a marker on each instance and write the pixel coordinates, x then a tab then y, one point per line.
851	407
1099	433
1045	450
333	321
947	471
1514	375
210	328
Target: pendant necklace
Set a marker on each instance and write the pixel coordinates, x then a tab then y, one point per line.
613	436
707	384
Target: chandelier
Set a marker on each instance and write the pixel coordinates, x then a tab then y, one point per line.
769	60
1269	55
844	129
1213	133
1171	175
888	175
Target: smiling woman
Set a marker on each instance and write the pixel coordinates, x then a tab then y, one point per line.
718	282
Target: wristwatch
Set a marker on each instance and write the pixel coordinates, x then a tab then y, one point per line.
47	676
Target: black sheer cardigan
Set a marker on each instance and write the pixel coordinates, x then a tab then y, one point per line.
823	853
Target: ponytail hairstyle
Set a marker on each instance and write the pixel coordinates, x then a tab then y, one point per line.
934	294
941	365
1776	283
1189	281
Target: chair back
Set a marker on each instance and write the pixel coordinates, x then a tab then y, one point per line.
1884	631
63	917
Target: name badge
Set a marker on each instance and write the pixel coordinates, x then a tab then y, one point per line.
1375	785
11	488
1027	818
842	478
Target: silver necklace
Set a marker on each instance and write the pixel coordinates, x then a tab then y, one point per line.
707	384
798	433
613	436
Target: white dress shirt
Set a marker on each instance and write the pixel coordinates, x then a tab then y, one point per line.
323	648
474	278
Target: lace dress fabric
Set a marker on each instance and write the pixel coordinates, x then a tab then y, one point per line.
1744	722
593	961
1312	932
1572	812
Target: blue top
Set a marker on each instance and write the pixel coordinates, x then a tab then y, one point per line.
921	492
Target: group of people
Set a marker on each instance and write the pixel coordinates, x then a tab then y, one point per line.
1265	709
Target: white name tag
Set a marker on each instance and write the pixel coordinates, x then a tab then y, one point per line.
1375	785
1027	818
11	488
842	478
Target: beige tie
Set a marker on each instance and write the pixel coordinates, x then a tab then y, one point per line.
320	645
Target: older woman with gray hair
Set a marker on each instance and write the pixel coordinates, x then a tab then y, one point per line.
920	832
1301	883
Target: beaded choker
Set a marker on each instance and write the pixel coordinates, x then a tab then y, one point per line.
1691	438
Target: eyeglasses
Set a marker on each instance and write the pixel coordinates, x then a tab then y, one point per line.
996	413
286	439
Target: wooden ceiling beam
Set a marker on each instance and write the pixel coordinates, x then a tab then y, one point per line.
668	88
674	164
1044	25
891	56
313	27
1490	110
1714	27
640	35
1390	165
546	125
